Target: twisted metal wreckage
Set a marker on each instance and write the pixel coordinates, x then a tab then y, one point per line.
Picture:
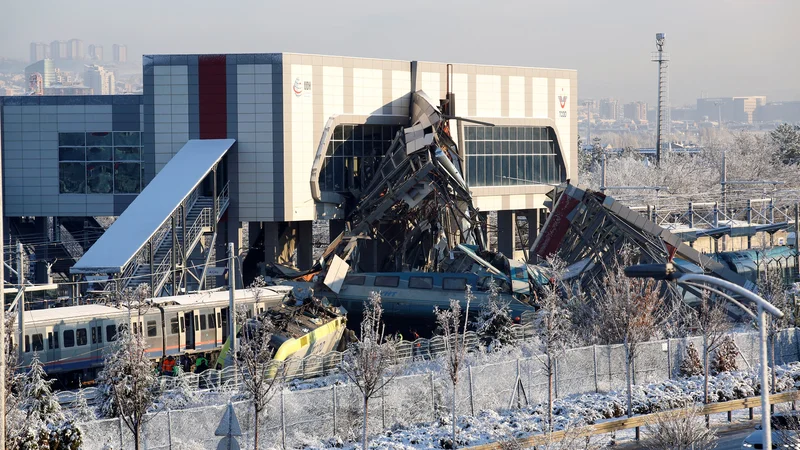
416	215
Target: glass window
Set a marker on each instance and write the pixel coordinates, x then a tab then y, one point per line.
81	336
454	284
38	342
127	154
72	139
99	335
111	333
127	138
27	344
183	327
72	154
98	154
202	321
99	178
211	323
173	325
355	280
52	340
127	178
99	138
152	330
94	336
69	338
386	281
420	282
72	178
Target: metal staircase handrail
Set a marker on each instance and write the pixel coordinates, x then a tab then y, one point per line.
223	200
194	233
163	272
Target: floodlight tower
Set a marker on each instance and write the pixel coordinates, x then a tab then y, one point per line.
663	121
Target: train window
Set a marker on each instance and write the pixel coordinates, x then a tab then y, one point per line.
111	333
69	338
219	320
94	336
420	282
152	330
27	344
454	284
183	328
196	324
81	334
249	314
355	280
52	340
99	335
38	342
202	321
385	281
173	325
211	323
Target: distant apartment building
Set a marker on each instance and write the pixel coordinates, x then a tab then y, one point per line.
59	50
609	109
39	51
729	109
75	89
120	53
75	49
96	52
100	80
636	111
45	68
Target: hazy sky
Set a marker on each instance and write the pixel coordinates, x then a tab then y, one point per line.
718	47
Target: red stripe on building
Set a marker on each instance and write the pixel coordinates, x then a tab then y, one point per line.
211	82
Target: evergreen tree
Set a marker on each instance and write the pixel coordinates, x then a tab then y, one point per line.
80	410
493	322
725	357
787	140
691	364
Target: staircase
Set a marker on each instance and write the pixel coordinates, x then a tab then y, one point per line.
34	243
198	222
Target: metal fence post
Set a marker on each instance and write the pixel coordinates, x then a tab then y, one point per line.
283	422
169	428
334	410
383	402
433	397
471	392
121	440
594	367
669	358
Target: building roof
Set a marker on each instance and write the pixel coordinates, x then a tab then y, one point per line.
70	312
145	215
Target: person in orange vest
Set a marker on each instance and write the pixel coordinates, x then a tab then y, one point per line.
168	366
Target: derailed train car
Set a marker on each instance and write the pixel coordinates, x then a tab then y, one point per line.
71	342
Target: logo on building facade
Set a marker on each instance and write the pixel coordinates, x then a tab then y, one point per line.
297	87
563	100
301	88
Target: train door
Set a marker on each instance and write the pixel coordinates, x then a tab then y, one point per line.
218	339
96	333
224	324
52	348
188	338
198	333
180	333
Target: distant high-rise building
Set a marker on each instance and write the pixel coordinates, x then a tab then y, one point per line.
96	52
636	111
100	80
729	109
59	50
38	51
120	53
35	84
75	49
778	112
45	68
609	109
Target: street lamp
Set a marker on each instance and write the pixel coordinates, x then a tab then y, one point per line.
668	272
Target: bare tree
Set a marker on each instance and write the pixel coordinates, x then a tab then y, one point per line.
552	325
368	362
128	383
261	376
712	322
681	429
628	312
454	336
772	288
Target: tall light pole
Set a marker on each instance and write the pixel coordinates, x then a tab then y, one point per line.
719	113
717	286
663	120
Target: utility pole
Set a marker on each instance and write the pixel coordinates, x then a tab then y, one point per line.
232	298
663	121
21	302
724	183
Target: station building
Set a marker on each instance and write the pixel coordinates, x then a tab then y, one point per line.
243	131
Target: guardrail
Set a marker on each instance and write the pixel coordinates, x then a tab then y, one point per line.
627	423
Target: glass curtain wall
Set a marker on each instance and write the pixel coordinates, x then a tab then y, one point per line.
353	152
100	162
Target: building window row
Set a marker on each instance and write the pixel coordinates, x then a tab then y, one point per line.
512	155
352	156
100	162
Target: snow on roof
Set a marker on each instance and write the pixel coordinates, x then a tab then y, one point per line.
217	296
140	221
70	312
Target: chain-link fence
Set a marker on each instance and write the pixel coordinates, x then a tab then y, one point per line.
295	418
